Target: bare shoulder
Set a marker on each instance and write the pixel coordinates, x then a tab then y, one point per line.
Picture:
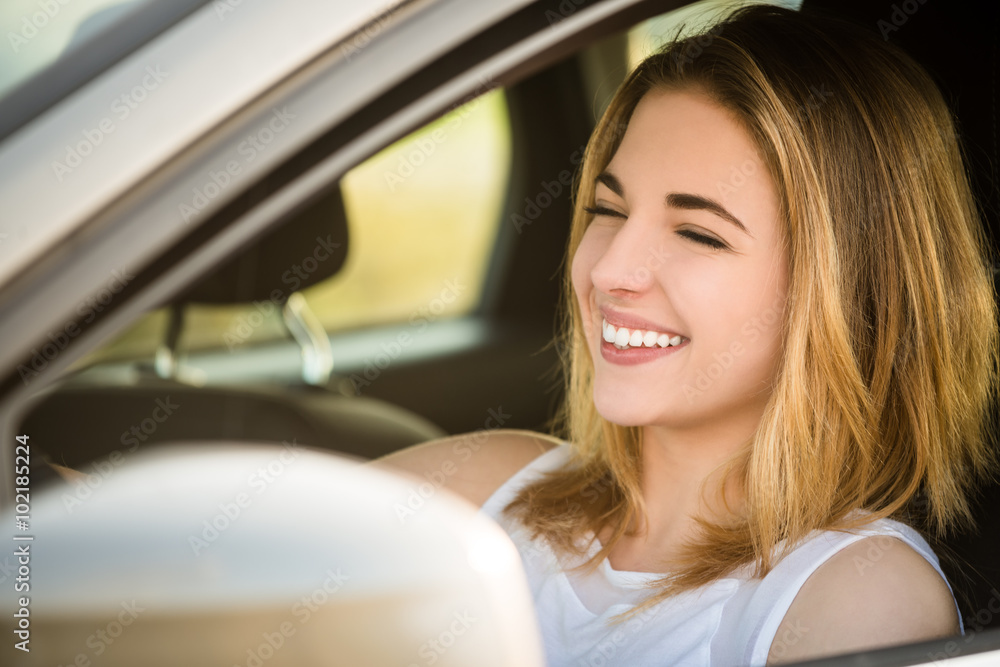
876	592
473	465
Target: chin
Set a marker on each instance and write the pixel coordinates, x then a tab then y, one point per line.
620	408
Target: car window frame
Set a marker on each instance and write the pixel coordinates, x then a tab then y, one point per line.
83	63
304	176
509	50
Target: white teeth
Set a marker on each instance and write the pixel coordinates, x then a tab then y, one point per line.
609	332
624	338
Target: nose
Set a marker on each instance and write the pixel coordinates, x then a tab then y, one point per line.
627	263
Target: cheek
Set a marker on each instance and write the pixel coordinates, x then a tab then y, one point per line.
763	336
758	325
735	312
584	259
772	319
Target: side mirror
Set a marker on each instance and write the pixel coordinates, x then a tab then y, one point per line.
262	556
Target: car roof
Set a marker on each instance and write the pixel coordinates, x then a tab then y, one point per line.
132	119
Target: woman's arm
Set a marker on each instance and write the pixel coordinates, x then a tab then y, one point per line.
473	465
874	593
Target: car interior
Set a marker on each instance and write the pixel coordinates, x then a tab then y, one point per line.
372	319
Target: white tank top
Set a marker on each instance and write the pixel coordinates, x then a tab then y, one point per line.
730	622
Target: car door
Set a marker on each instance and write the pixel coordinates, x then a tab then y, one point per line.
138	227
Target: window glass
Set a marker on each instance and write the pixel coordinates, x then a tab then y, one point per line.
606	63
37	32
422	215
650	35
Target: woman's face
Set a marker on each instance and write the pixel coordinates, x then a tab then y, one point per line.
682	274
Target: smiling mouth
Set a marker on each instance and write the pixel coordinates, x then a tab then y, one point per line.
624	338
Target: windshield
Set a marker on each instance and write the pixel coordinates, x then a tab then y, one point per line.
55	46
37	32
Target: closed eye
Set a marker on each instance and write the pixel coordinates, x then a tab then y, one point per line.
709	241
702	239
602	210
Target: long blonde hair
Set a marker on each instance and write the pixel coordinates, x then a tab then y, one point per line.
890	350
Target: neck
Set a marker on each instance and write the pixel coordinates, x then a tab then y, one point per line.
681	479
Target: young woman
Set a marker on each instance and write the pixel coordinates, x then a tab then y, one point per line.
780	347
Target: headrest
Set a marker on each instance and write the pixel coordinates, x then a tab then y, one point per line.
300	252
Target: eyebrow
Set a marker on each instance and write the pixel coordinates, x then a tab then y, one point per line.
680	200
612	182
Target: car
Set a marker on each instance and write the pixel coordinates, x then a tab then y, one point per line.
333	226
